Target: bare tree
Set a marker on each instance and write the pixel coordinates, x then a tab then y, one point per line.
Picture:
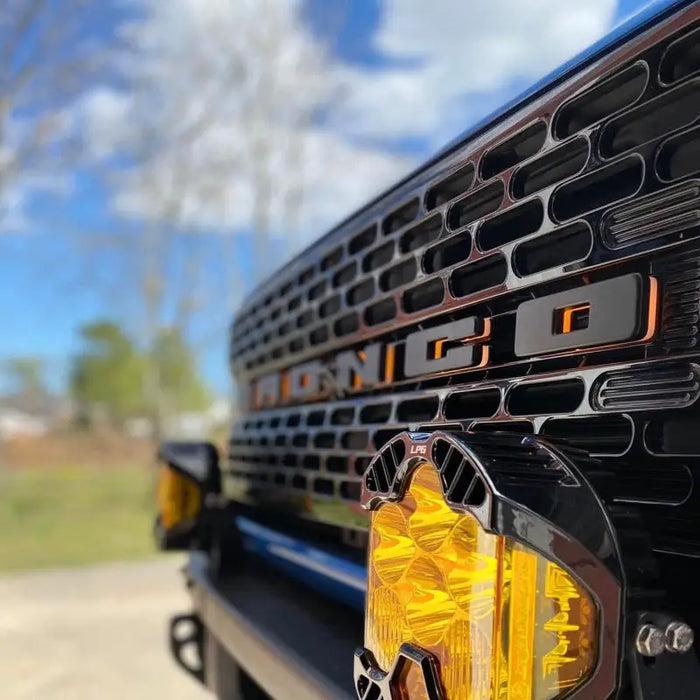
45	63
214	104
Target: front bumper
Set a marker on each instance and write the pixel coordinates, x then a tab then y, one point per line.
294	643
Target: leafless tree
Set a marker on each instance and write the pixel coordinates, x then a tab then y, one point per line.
45	63
205	136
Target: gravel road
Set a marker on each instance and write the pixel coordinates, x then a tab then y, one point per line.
96	632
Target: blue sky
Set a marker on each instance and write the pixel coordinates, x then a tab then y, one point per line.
46	293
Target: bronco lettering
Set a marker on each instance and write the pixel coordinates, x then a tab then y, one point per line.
618	311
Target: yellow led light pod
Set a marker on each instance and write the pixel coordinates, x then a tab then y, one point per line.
187	474
178	497
458	609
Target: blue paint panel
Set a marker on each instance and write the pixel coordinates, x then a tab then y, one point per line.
337	577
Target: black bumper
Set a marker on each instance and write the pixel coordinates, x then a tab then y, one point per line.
293	642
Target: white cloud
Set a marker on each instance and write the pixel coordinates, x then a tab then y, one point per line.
214	97
334	178
250	91
104	113
451	49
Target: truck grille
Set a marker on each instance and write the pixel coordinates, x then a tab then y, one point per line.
590	185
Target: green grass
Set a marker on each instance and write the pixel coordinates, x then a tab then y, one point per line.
60	516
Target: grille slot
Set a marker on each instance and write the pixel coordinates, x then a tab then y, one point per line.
398	275
343	416
332	259
420	235
345	275
381	437
325	487
681	59
317	290
303	320
350	491
481	403
306	276
319	335
311	462
673	110
606	98
679	156
401	216
515	223
362	240
600	435
418	410
476	205
599	188
378	257
670	211
452	251
330	306
552	167
324	440
381	312
566	245
300	440
361	464
337	465
563	396
316	418
678	435
355	440
670	386
348	324
375	413
452	186
361	292
668	484
478	276
430	293
514	150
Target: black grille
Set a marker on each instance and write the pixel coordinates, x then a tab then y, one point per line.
592	182
600	196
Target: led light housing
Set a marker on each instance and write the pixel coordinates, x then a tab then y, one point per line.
188	471
481	585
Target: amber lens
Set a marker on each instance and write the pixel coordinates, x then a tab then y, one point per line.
502	621
178	497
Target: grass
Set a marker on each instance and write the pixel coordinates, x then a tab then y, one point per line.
60	516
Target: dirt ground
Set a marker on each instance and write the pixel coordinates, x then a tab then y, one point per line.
95	632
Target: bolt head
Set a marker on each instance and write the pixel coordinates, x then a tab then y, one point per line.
651	640
679	637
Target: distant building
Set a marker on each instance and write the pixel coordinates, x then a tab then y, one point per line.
188	424
199	424
23	416
16	424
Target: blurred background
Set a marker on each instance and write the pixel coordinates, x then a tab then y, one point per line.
157	158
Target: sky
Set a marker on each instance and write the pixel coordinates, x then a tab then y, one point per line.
412	81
